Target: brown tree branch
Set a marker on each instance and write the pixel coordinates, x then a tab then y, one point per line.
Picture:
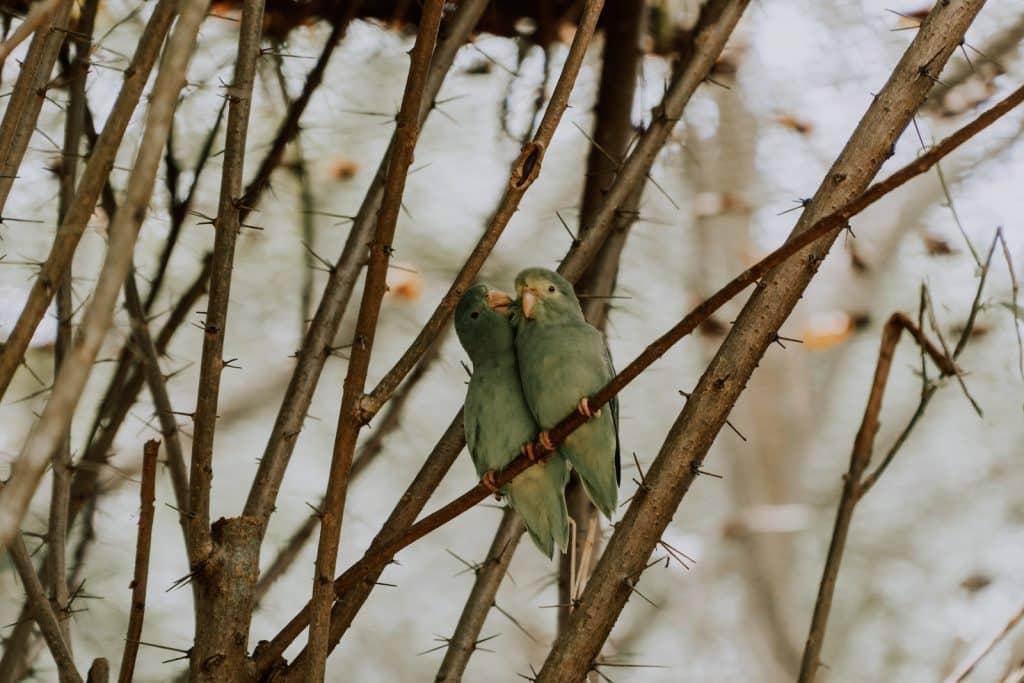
38	14
613	128
42	611
26	101
316	345
369	450
524	171
831	223
99	672
60	498
863	447
268	654
489	575
95	175
703	415
140	578
967	667
226	228
349	419
54	423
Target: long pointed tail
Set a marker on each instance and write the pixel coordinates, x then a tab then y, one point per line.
538	495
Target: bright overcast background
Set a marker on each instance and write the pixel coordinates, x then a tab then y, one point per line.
935	560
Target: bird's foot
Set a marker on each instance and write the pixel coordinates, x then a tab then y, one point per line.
488	481
545	440
584	408
530	452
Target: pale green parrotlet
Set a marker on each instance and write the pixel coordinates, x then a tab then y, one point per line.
498	422
562	361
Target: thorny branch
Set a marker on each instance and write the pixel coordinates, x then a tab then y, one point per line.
226	228
489	575
853	480
678	462
349	419
54	424
42	611
95	175
140	578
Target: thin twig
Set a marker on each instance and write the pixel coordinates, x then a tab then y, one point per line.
227	224
42	611
140	578
54	423
94	176
964	670
349	418
863	447
489	575
525	170
60	500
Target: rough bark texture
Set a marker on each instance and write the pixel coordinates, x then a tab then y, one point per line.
778	292
226	583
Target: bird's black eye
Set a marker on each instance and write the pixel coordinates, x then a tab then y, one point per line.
551	289
474	315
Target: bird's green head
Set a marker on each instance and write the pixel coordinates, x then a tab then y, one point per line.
482	322
545	296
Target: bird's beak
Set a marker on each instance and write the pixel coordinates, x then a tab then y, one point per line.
527	300
500	302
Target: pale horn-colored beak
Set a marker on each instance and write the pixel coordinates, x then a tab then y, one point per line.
527	300
500	302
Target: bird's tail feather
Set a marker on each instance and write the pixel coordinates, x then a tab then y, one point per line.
603	494
538	495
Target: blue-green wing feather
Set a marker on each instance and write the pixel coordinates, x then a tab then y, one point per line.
560	364
498	422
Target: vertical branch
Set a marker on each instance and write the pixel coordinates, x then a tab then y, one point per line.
53	426
99	672
350	418
613	127
60	499
524	171
399	531
853	488
96	172
677	464
340	283
489	575
140	578
227	225
42	611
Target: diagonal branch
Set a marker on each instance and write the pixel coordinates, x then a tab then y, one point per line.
779	290
349	418
95	175
54	424
489	575
42	611
341	281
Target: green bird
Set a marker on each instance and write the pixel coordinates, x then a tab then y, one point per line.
499	423
562	361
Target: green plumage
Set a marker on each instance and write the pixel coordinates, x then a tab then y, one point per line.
562	359
498	421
